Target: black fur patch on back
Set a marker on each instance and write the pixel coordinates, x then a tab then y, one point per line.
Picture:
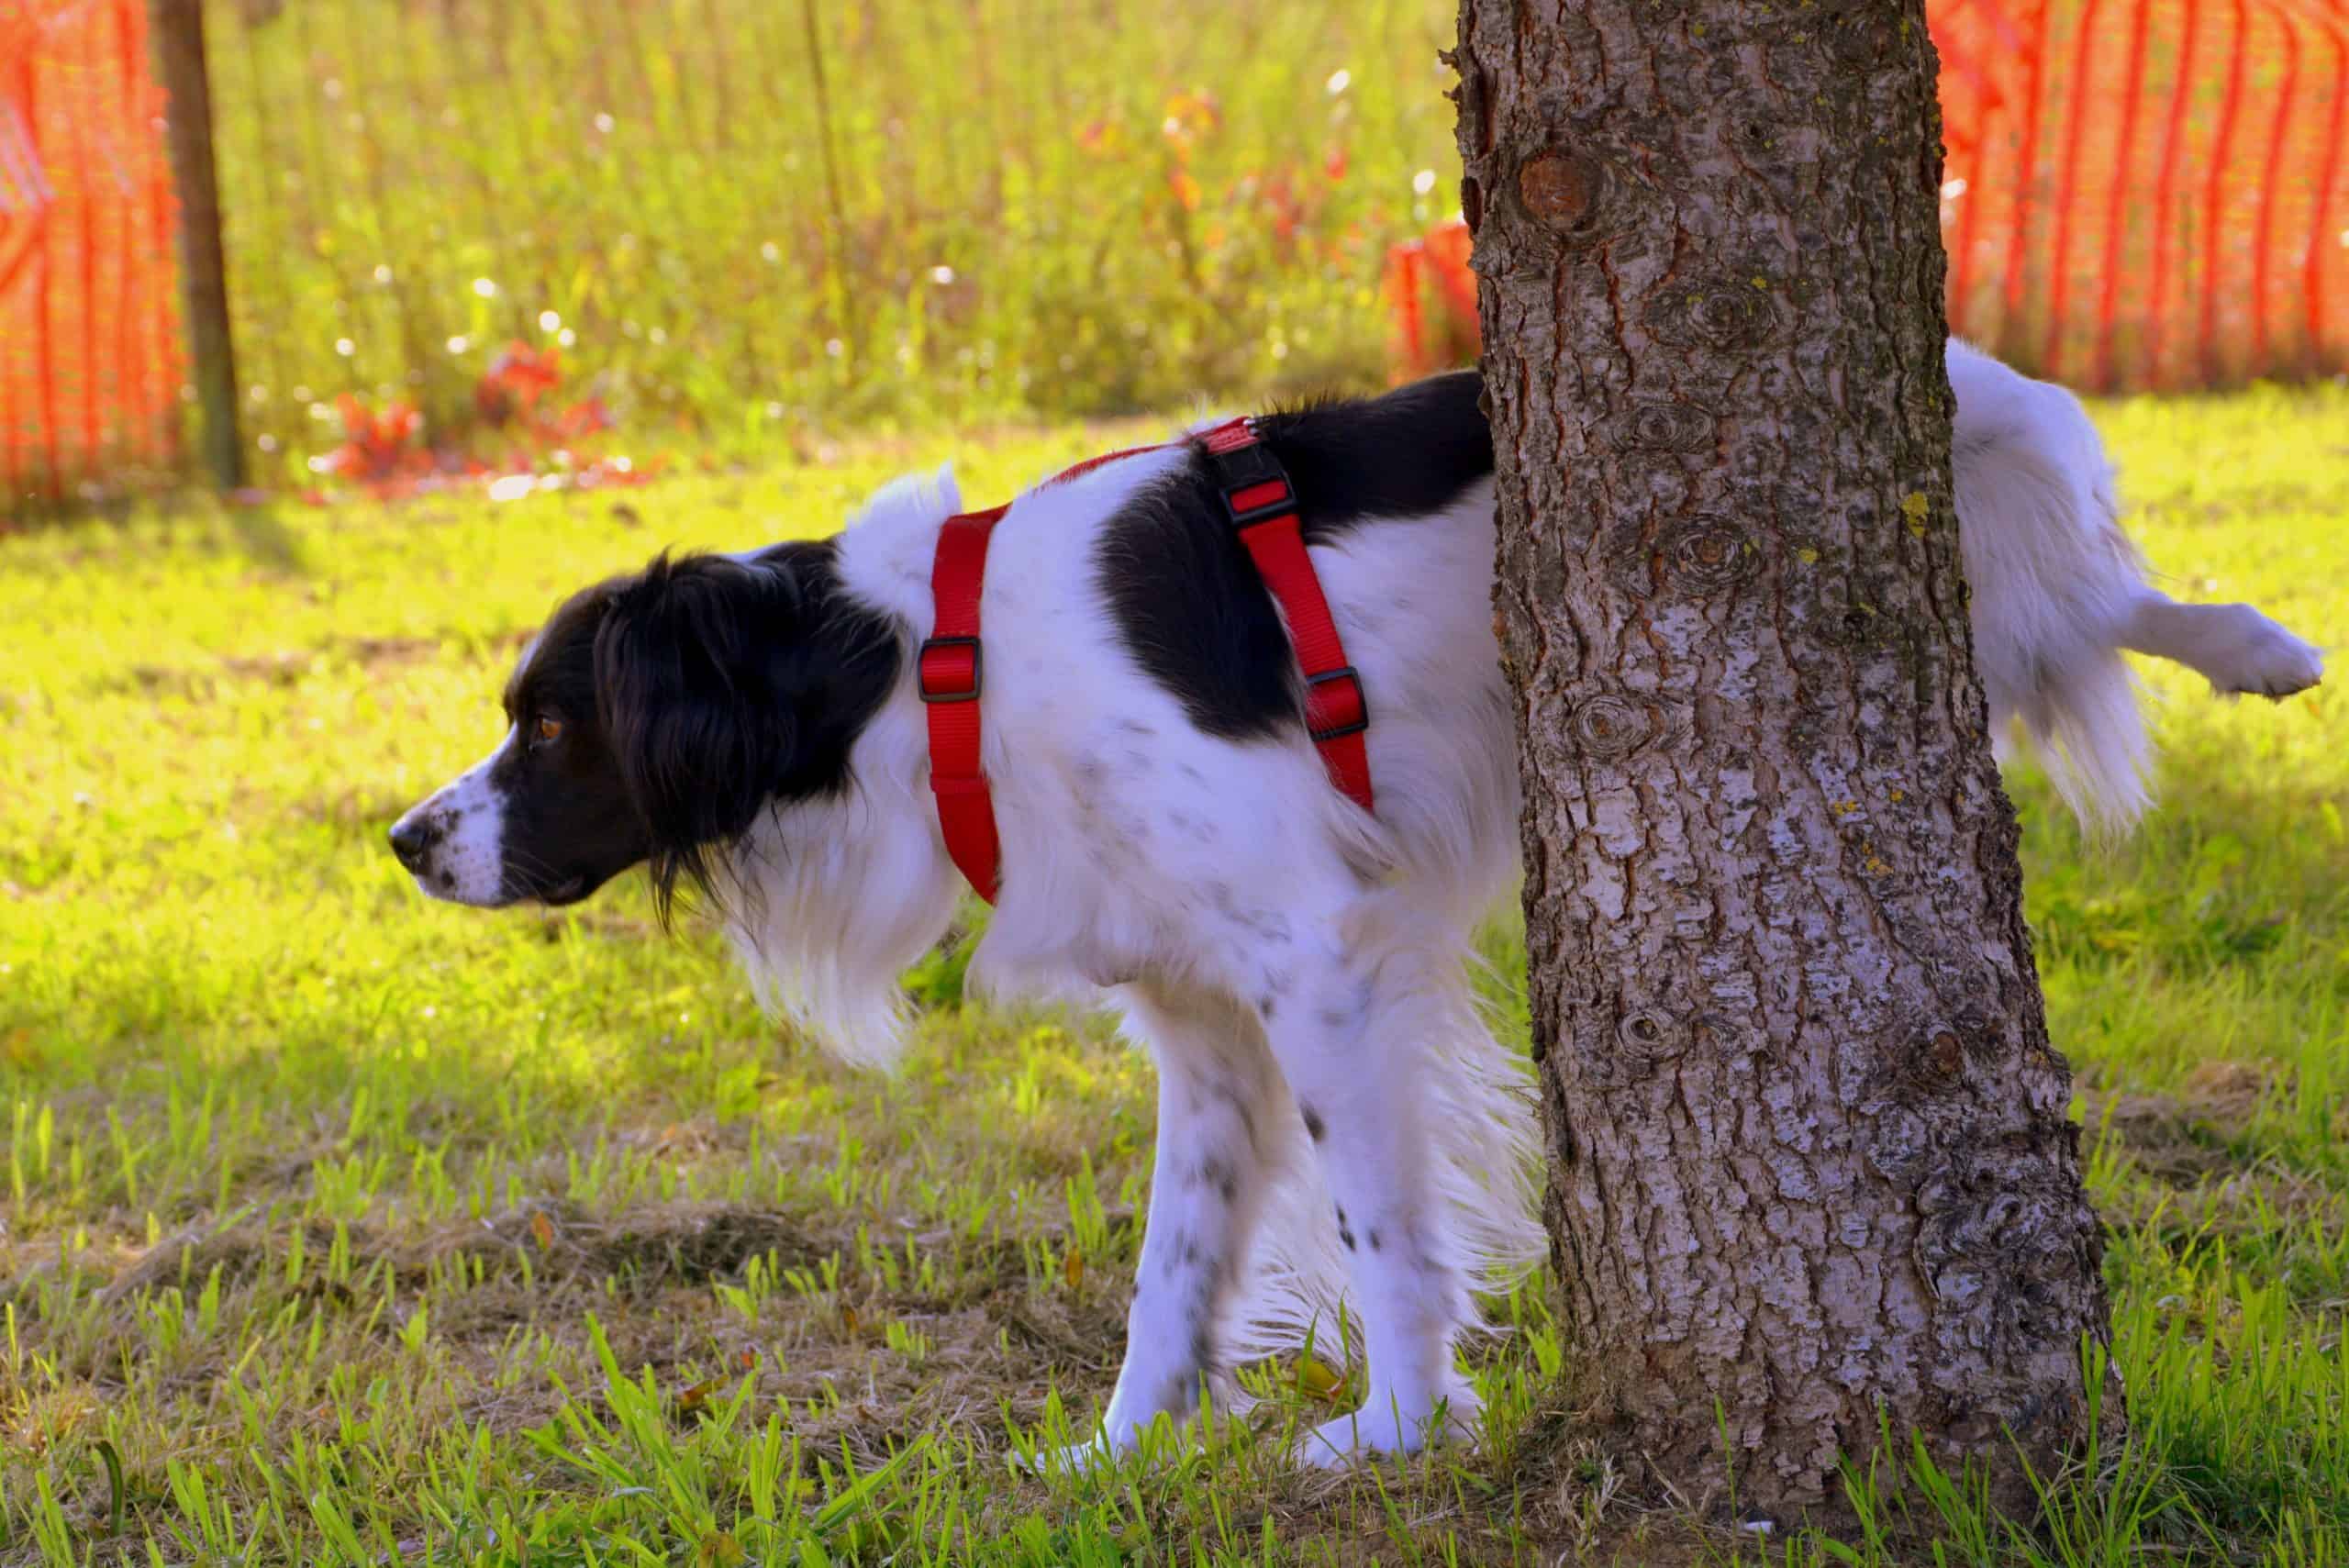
1405	454
1186	599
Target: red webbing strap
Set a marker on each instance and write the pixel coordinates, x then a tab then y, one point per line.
1263	509
948	672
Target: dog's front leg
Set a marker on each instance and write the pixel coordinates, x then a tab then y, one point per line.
1217	1090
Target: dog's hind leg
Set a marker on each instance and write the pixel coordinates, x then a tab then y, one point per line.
1354	1044
1218	1093
2237	649
2058	591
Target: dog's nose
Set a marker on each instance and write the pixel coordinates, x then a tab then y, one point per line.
413	836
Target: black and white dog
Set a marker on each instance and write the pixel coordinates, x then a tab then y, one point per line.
1335	1119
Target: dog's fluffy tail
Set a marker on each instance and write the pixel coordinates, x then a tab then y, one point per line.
2055	584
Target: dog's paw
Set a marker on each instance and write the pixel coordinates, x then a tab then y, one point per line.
1116	1438
2264	660
1383	1428
1073	1459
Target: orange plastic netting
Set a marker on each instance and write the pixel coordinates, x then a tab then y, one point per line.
90	365
2138	193
2149	193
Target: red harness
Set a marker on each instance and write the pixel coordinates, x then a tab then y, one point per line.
1262	507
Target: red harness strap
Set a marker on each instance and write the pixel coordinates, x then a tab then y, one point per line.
947	674
1262	507
949	671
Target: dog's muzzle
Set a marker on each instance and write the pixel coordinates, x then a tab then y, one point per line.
452	843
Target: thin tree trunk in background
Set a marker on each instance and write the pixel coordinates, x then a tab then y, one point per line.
204	273
1810	1157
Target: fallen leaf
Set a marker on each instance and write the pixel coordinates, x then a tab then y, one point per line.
1318	1379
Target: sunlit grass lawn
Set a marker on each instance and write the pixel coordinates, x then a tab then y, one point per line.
352	1227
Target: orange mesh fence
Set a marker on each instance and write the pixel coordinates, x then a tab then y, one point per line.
2148	193
2138	193
89	360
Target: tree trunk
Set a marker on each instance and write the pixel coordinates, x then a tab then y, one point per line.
1810	1154
204	274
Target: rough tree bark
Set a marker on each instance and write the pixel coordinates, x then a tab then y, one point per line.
1810	1156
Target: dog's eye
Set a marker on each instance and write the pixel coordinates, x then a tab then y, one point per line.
546	731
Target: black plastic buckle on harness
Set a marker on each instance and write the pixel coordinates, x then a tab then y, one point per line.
1239	470
1362	704
921	669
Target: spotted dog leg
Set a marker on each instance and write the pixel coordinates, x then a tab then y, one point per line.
1350	1053
1217	1087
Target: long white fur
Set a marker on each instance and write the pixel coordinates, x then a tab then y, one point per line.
2059	590
1281	951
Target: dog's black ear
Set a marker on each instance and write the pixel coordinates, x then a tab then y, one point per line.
695	682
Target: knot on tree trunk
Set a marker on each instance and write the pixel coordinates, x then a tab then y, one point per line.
1562	189
1665	427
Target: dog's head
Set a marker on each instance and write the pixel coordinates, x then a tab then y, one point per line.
654	719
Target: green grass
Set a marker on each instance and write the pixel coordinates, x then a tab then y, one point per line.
343	1227
1079	207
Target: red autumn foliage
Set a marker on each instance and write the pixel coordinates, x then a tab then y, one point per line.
378	447
383	451
517	376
